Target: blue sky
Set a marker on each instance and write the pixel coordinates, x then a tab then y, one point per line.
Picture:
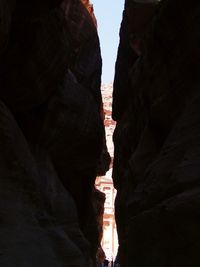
109	15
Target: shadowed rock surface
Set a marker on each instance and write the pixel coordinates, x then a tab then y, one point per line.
156	106
52	134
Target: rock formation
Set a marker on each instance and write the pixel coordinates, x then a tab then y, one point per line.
156	107
52	133
107	90
90	9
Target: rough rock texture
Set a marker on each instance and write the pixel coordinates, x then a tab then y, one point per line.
99	200
107	90
156	106
90	9
52	133
38	220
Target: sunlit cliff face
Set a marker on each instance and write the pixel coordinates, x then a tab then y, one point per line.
85	2
90	9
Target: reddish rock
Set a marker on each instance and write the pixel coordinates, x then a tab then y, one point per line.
90	9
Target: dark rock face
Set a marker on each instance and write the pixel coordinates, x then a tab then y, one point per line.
156	165
39	225
90	9
52	135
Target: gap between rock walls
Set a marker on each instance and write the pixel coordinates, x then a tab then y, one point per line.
54	156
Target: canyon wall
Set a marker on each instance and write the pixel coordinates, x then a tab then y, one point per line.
156	105
52	138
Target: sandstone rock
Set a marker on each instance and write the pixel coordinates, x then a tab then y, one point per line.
50	75
90	9
33	229
38	44
6	10
156	163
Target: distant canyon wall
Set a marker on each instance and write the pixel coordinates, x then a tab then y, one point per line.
52	137
156	105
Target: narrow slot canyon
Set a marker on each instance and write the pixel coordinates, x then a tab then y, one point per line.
99	161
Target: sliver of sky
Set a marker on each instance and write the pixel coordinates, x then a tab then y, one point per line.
109	16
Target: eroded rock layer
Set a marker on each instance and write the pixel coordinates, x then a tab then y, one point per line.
157	108
51	134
